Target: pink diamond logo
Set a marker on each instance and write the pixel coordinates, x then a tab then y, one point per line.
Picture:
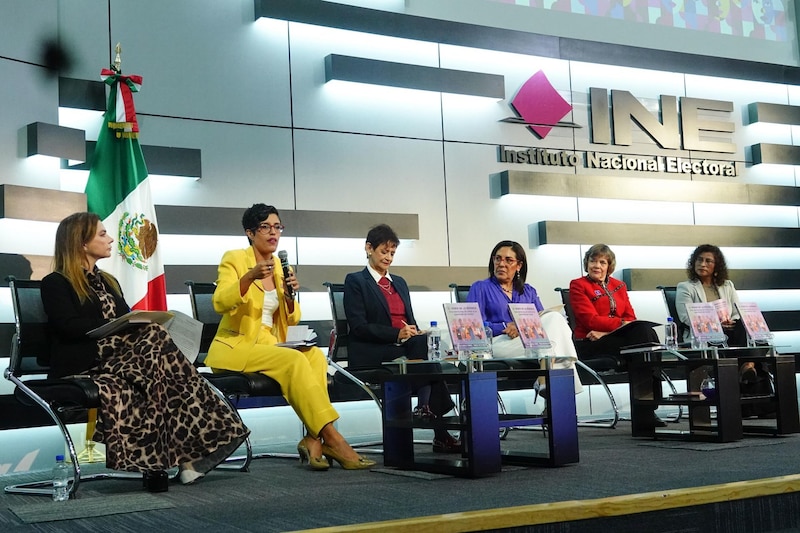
540	105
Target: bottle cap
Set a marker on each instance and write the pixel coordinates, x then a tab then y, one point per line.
59	457
434	323
669	319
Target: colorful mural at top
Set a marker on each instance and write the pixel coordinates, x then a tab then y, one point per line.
760	19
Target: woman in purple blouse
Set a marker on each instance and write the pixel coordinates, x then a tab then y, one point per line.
508	269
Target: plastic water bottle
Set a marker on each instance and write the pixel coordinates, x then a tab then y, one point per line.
434	342
61	475
671	334
487	328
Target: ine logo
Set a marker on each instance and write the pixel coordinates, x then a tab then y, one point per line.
539	106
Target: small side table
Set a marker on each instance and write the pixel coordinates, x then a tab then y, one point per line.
478	423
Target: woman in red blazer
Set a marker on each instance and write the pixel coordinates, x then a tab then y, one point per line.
601	307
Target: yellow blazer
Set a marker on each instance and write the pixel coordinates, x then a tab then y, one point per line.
241	327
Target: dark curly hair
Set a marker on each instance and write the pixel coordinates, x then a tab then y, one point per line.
720	266
519	251
254	215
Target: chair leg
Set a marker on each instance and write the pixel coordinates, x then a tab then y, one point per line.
598	423
45	488
363	386
248	457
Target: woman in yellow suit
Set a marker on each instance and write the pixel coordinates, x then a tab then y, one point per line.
257	307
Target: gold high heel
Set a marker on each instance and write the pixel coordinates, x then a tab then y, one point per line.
362	463
315	463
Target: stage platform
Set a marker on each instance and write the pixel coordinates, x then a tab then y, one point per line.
620	484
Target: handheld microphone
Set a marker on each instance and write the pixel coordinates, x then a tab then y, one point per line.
284	257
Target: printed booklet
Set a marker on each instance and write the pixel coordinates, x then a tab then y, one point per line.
529	326
465	324
754	323
705	323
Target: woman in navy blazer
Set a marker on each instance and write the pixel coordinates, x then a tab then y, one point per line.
383	328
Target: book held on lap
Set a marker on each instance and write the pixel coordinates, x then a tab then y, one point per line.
184	330
298	336
130	319
723	311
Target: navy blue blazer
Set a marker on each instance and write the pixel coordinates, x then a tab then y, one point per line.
372	337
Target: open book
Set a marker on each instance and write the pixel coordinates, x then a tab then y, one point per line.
130	319
184	330
298	336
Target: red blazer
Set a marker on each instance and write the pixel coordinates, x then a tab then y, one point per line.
592	305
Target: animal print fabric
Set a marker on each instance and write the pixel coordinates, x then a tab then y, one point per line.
156	411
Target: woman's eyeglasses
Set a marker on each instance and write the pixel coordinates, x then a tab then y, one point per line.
267	228
510	261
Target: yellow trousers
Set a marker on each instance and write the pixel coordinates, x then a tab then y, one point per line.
303	377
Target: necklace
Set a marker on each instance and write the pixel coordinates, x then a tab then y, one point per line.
507	291
386	288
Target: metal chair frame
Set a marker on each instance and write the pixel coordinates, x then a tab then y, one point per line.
30	347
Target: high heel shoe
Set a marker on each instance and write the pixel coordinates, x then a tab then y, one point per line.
362	463
540	389
315	463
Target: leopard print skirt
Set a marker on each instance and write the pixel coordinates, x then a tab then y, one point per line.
156	411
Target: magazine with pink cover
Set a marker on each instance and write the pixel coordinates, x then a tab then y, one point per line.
465	324
705	323
753	321
529	325
723	311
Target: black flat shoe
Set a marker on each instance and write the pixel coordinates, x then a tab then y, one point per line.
447	445
155	481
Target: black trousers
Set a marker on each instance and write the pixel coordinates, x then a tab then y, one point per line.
363	355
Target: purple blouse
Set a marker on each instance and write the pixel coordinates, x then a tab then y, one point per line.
494	302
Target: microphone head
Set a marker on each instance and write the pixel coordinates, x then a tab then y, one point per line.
283	256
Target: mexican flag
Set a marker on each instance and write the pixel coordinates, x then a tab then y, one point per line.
118	191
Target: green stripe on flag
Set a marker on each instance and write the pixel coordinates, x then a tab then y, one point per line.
117	167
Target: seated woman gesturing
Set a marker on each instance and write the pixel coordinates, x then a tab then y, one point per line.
257	308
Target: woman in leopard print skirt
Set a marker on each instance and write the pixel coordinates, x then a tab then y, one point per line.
156	412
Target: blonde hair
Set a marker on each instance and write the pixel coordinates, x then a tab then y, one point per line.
69	259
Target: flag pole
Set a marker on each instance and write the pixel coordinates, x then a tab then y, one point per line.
90	454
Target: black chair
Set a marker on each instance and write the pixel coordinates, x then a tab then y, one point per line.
65	400
606	368
354	384
669	293
229	384
458	293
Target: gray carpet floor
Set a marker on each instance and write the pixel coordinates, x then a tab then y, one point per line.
280	495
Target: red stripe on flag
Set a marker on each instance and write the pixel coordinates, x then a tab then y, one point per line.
156	297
